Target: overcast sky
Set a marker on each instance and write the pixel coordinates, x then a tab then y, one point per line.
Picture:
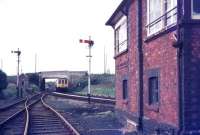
52	29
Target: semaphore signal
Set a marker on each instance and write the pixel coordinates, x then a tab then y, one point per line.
90	44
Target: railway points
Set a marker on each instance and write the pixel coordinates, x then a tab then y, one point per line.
58	113
34	116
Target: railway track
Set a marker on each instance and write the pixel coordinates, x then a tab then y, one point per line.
85	98
10	111
35	117
9	105
13	117
12	104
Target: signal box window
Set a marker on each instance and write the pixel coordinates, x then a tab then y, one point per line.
121	35
154	14
125	89
195	9
153	90
160	14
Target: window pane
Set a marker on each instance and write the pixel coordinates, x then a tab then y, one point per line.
161	13
155	11
153	90
125	89
117	39
196	6
169	15
168	4
123	33
121	36
172	11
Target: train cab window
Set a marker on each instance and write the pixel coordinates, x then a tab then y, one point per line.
63	81
59	82
195	9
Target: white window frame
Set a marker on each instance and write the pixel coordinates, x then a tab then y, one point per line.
163	20
148	19
123	45
197	16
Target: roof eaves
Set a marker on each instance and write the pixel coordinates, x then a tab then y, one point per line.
122	9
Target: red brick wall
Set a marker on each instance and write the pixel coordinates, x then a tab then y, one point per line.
126	66
132	59
159	53
121	64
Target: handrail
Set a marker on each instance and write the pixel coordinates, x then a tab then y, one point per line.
159	18
60	116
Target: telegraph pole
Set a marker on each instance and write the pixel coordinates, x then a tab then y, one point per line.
89	73
105	61
35	62
18	52
90	44
2	64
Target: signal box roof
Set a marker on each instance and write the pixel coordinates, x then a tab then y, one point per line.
121	10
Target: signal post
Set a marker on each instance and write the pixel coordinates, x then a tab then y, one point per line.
18	52
90	44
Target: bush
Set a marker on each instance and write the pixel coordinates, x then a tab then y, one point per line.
10	91
3	82
34	78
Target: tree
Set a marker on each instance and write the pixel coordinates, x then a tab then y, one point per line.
3	81
34	78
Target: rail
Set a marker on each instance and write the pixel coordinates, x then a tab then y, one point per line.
11	105
85	98
27	113
15	103
11	117
60	116
17	113
27	118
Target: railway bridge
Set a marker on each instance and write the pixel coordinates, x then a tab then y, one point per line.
71	76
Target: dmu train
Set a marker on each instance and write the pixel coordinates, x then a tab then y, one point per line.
62	83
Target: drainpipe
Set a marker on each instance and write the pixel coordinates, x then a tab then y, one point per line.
179	46
140	65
